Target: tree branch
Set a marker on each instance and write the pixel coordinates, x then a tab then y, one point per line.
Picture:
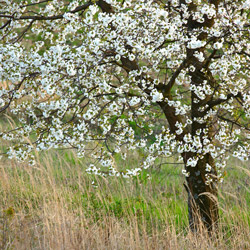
32	4
214	103
77	9
175	75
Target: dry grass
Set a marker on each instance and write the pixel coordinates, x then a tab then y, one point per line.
55	206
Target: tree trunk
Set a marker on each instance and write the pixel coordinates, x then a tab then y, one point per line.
202	197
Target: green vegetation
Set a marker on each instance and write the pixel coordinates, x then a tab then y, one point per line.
56	205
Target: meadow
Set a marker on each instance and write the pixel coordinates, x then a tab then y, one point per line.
57	205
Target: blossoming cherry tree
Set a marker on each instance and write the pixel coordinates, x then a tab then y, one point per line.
98	74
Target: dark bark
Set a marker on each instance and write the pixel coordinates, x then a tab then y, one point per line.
202	197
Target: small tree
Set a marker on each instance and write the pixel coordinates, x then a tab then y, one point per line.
99	73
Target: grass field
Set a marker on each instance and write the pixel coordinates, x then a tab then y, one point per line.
57	205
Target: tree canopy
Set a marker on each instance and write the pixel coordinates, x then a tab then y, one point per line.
96	76
95	71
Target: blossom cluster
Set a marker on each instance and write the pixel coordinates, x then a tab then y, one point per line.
98	75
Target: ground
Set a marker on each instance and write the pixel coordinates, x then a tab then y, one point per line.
57	205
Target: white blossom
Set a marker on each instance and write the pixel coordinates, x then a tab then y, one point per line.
104	80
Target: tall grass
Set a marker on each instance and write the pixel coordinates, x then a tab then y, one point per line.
56	205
